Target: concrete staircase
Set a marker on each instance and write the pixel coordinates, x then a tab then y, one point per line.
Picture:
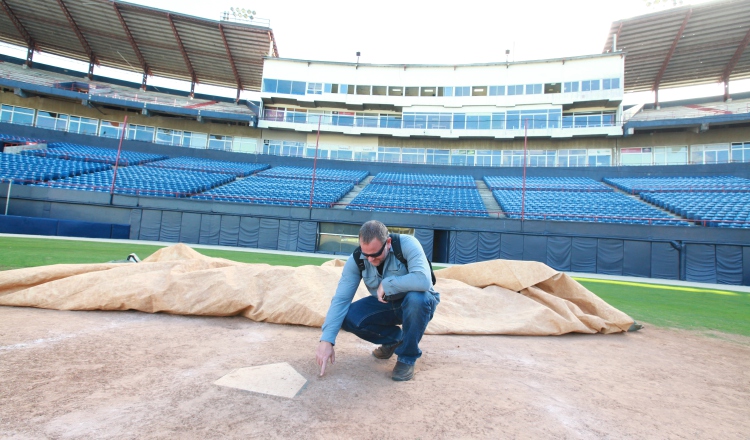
489	200
341	204
637	198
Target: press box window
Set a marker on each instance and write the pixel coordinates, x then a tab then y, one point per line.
428	91
479	91
571	87
412	91
395	91
497	90
379	90
533	89
363	90
550	88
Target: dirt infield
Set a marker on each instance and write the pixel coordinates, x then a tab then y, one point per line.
135	375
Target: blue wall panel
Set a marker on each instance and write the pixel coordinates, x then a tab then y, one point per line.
190	228
535	248
135	223
466	247
511	247
150	225
558	253
426	238
72	228
269	234
729	264
636	258
171	222
308	237
230	230
665	261
210	227
609	256
583	255
700	263
488	247
249	232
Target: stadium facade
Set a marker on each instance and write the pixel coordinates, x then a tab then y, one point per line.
469	120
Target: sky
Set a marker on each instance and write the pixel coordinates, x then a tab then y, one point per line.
423	32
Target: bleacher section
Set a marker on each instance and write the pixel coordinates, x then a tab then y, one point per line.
7	138
321	174
144	181
408	193
239	169
30	169
689	111
93	154
450	181
727	210
54	80
589	206
722	201
545	183
636	185
280	191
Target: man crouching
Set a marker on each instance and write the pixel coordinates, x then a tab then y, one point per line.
401	289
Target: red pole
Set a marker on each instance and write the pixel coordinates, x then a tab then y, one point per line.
523	189
119	149
315	162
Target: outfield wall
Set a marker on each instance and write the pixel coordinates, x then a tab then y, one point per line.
713	255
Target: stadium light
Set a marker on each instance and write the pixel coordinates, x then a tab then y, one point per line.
239	14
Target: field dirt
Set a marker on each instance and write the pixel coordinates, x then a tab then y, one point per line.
136	375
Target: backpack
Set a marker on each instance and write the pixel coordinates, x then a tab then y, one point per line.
396	248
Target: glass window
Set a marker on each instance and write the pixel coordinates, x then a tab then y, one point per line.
314	88
272	147
390	121
166	136
570	87
567	121
515	90
670	155
600	157
513	120
554	117
462	91
428	91
83	125
498	121
533	89
412	91
590	85
269	85
328	88
343	89
244	144
195	140
479	91
413	155
551	88
741	152
284	87
395	91
52	121
219	142
571	158
459	121
365	156
17	115
389	154
636	156
497	90
110	129
610	83
438	157
366	120
379	90
344	119
298	88
363	90
447	91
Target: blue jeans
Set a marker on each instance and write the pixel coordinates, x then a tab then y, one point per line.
378	323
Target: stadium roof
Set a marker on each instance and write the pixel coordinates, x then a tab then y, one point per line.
688	45
141	39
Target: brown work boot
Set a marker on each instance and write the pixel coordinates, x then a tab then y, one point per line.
385	351
402	372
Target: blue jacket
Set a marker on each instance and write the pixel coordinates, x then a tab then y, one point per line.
396	279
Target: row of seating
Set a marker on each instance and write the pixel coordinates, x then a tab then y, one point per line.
30	169
278	191
637	185
146	181
706	208
596	206
239	169
63	150
306	173
420	199
445	180
545	183
9	138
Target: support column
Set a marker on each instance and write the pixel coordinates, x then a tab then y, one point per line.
91	70
192	89
727	98
143	81
29	56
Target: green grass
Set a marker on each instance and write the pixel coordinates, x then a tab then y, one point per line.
665	306
16	253
677	306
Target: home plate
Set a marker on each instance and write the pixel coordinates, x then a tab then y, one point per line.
274	379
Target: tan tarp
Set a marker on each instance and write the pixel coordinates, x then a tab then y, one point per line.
493	297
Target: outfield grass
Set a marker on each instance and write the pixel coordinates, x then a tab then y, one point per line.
666	306
690	308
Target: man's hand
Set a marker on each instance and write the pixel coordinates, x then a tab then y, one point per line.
323	354
381	294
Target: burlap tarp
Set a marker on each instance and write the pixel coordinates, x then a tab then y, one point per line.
492	297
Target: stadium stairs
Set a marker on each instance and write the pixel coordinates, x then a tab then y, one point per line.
639	199
489	200
341	204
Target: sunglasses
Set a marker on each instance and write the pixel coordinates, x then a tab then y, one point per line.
378	253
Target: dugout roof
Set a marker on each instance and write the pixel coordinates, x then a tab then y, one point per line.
141	39
688	45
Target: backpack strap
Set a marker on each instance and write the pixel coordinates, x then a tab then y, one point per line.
357	255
